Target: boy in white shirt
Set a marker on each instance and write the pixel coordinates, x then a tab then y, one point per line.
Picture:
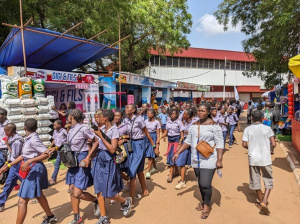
259	139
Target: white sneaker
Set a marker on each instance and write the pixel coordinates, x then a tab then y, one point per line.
148	175
153	170
180	185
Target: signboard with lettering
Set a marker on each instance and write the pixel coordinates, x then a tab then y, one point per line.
55	76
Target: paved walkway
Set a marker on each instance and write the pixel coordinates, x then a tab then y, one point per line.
233	201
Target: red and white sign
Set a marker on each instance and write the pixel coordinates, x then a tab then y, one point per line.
130	99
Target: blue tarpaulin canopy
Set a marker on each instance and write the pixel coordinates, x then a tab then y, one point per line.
50	50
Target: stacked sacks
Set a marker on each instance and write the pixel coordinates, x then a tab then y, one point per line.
53	113
14	110
44	122
25	88
9	87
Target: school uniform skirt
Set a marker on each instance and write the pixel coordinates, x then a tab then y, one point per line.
107	175
189	157
170	153
35	182
137	157
149	149
80	177
125	165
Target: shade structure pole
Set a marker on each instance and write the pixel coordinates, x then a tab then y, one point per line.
224	86
23	41
120	66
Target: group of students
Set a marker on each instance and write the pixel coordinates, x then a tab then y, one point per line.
139	132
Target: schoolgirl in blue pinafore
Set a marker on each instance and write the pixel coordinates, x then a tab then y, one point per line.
35	181
79	178
137	130
137	156
174	129
37	178
153	127
107	174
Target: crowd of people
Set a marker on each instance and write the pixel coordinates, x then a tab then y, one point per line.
196	136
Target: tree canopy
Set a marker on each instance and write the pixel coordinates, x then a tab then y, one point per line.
159	24
273	28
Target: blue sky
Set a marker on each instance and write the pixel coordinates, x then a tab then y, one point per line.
207	33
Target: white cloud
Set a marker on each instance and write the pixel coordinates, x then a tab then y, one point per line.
210	26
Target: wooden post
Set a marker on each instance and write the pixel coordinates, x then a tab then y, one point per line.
23	42
120	68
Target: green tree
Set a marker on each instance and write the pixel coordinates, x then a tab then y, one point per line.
273	28
159	24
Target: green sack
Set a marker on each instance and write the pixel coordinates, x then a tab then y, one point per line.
38	88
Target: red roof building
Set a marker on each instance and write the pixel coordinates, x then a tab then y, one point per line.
208	67
211	54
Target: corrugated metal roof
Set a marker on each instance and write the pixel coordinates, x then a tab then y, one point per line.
211	54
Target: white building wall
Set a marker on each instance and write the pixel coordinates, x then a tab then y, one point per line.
214	77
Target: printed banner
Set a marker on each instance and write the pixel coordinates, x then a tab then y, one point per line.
146	93
55	76
66	94
144	81
108	87
92	98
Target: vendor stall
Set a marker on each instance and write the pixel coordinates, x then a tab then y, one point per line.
294	65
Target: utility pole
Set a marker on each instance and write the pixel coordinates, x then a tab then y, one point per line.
120	64
224	79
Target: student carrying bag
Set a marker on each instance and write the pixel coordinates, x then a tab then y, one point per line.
67	156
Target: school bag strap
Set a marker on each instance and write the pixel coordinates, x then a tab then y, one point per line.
132	127
120	154
75	135
17	139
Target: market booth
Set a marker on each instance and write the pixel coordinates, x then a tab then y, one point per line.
134	89
294	109
39	75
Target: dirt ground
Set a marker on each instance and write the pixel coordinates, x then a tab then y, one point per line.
233	201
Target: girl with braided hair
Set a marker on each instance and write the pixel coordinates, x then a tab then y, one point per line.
79	178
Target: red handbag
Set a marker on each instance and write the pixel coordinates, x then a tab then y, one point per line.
24	174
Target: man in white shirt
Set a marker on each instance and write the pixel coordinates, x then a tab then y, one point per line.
259	139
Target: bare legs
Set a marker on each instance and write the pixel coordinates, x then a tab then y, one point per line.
142	180
263	198
22	210
77	195
22	207
182	173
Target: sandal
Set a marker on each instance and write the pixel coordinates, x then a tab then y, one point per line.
204	215
199	207
257	204
264	208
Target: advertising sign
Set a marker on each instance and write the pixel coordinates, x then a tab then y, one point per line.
108	87
130	99
55	76
64	95
145	81
92	98
146	93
